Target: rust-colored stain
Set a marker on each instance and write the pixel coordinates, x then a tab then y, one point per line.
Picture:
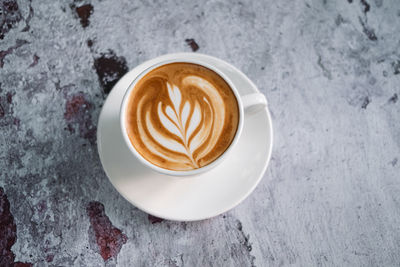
8	234
84	12
154	219
193	45
109	239
79	118
110	68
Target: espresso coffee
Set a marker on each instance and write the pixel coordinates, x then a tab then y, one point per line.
181	116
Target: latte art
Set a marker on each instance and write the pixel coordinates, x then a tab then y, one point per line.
181	116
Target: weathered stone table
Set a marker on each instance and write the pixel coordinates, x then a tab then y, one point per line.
331	73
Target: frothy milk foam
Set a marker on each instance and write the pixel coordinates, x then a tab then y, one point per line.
181	116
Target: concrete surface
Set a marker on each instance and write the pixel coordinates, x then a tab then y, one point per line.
331	73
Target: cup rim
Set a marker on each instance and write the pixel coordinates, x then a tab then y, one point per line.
183	173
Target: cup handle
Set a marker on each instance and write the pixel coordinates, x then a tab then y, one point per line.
253	103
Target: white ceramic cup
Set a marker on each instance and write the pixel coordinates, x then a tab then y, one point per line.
247	104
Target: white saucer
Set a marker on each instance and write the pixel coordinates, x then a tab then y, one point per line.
193	198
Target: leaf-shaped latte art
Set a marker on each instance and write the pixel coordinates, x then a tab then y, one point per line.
176	120
180	120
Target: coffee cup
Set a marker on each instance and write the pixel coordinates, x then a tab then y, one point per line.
158	130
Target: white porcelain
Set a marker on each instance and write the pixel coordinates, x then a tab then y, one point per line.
250	102
204	195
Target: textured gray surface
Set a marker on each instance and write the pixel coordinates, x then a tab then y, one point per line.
331	73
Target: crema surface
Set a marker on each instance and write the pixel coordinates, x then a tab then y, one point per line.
181	116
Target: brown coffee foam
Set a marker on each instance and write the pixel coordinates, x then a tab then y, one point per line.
195	83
